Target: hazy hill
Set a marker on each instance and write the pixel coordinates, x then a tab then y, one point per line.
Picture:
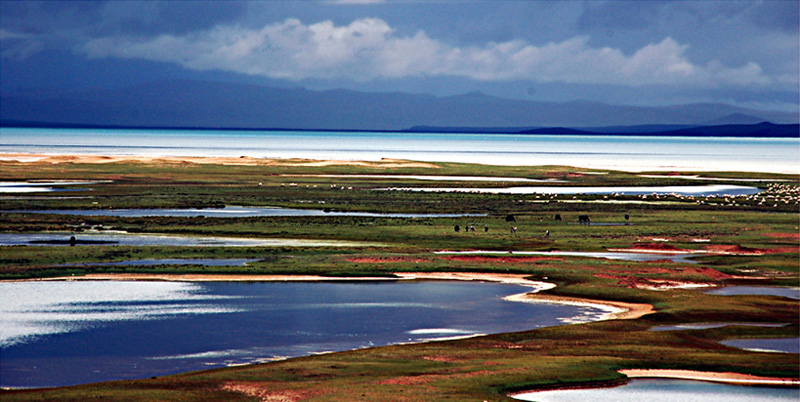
764	129
228	105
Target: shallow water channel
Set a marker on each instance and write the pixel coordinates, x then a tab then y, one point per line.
626	256
131	239
792	293
62	333
230	212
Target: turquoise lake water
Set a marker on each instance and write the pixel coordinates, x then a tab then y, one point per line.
634	153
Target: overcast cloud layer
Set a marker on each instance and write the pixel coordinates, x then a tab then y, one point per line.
369	48
743	52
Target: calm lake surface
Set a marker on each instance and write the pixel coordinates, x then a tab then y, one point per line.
633	153
61	333
135	239
668	390
231	212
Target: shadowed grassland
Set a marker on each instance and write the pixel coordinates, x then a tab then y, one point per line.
737	240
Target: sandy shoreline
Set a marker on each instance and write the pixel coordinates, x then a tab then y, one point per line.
618	310
731	378
55	159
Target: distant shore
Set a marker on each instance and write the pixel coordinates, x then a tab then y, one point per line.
758	130
54	159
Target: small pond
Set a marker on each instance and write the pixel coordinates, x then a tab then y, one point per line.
697	191
130	239
681	327
640	257
775	345
668	390
207	262
15	187
62	333
793	293
230	212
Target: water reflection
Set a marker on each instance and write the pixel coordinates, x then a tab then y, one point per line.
207	262
640	257
130	239
773	345
41	186
681	327
668	390
61	333
230	212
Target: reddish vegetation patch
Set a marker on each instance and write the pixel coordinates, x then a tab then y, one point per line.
795	236
655	247
739	250
711	273
631	281
407	380
512	260
381	260
733	249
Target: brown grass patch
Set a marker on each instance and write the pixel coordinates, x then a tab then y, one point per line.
739	250
264	394
795	236
381	260
512	260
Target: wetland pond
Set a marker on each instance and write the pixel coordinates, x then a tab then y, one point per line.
62	333
131	239
230	212
610	255
668	390
790	292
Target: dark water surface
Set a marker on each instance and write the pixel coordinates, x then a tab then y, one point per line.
230	212
110	238
63	333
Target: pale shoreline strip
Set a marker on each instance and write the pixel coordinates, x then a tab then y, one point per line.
693	375
616	310
55	158
728	377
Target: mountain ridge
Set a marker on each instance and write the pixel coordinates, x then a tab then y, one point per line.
185	103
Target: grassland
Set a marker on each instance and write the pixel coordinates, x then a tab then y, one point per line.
744	240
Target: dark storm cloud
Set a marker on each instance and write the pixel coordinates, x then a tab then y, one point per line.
91	18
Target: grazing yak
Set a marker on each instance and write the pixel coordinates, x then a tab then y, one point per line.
583	219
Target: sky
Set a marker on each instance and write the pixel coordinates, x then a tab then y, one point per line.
743	53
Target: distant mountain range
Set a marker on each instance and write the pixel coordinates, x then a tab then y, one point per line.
200	104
